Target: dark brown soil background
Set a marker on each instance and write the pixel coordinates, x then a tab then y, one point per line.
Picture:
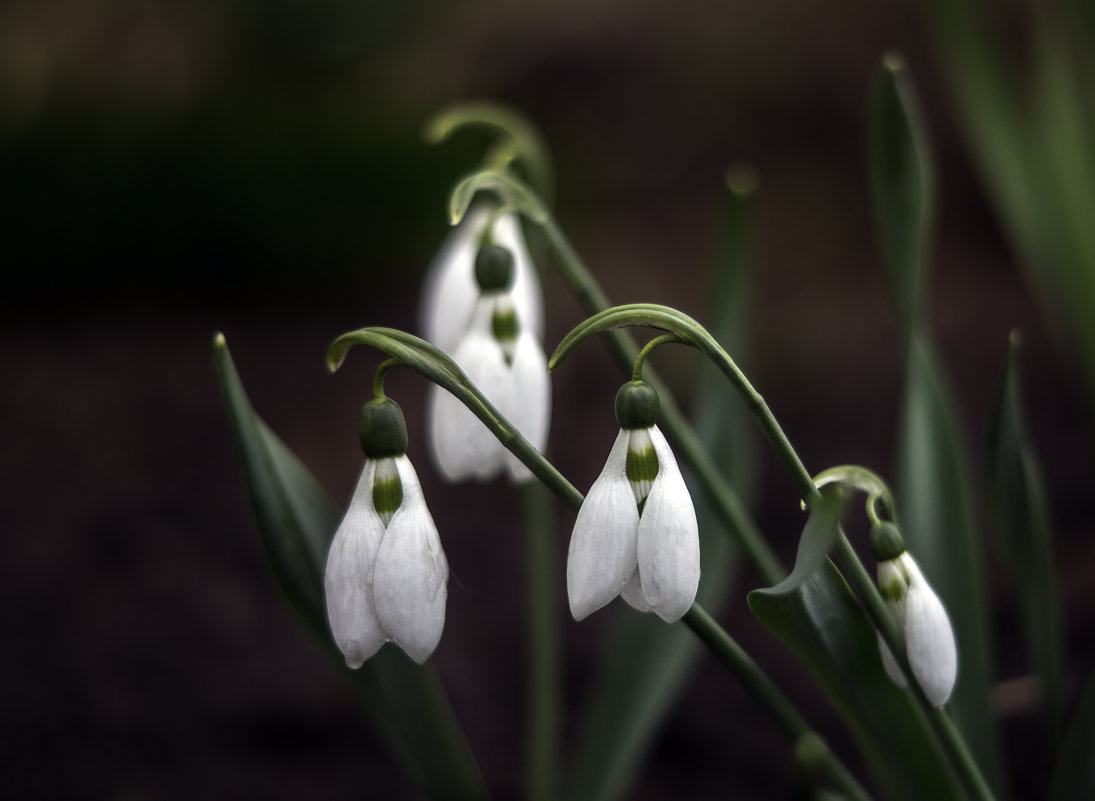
256	169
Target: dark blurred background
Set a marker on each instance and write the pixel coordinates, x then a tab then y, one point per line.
173	169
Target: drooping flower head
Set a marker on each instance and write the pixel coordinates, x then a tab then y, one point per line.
504	360
919	614
636	533
386	573
451	293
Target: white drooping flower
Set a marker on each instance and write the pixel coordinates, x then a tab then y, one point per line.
451	293
386	573
921	617
504	359
636	533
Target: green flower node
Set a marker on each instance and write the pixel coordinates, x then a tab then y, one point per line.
886	541
382	429
494	268
387	490
637	405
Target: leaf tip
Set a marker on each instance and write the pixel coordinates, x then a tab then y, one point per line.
742	180
219	342
893	62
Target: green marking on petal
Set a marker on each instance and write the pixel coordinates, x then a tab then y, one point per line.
641	466
893	590
387	490
505	328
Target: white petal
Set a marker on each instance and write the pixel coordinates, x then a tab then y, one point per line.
668	539
347	579
633	593
528	403
462	446
929	640
527	295
893	670
601	558
409	582
449	290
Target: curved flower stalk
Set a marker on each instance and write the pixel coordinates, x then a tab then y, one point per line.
500	355
636	534
386	573
919	614
450	293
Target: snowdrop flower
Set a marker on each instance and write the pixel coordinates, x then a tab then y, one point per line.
636	534
504	359
386	574
929	638
451	294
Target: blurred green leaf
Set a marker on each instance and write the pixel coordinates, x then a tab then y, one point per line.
1025	536
1034	158
296	520
933	492
901	184
815	614
1074	776
646	662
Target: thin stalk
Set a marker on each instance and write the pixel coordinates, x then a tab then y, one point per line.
739	663
543	646
672	420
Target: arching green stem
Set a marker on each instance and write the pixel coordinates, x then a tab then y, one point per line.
866	481
691	332
648	348
381	371
518	139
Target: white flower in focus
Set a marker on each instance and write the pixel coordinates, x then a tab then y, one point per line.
450	294
504	360
920	615
636	533
386	573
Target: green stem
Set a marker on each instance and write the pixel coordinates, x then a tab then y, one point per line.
543	654
647	349
738	662
381	371
672	420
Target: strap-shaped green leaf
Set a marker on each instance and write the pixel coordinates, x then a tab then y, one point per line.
901	184
936	519
1074	776
815	614
296	519
1024	535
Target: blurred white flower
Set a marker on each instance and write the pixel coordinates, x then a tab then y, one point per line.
636	534
920	615
505	361
450	293
386	573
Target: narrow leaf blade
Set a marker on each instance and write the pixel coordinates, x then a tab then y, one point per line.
1074	776
901	184
1024	534
296	519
